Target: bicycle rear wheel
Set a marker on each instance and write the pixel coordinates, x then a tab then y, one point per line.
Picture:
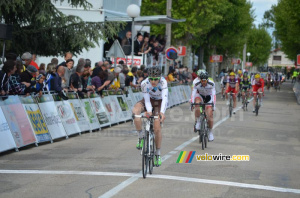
202	128
230	107
145	157
151	159
256	107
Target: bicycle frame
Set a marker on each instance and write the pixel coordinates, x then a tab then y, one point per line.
256	101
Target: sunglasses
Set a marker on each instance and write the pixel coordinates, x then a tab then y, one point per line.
154	79
203	80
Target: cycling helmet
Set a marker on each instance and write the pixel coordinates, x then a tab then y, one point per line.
245	73
232	74
240	71
257	76
204	75
154	71
200	71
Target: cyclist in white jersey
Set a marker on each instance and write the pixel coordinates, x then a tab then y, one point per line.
155	91
204	91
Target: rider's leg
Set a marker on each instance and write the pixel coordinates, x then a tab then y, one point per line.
210	119
243	95
197	113
137	109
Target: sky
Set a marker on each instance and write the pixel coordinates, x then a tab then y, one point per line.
260	7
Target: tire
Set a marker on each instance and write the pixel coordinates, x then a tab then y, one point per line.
230	108
151	160
202	128
256	108
145	159
203	140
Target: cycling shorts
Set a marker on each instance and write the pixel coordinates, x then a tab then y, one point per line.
230	89
256	87
156	105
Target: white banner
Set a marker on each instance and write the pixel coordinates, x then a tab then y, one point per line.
18	122
50	114
80	114
90	113
124	106
6	139
112	107
67	116
36	119
100	110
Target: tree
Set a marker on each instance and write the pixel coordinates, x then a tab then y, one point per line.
287	18
259	44
41	28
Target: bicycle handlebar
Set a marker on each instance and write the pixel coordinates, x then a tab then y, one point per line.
202	104
142	116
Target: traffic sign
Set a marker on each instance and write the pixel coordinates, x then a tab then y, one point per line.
216	58
235	61
169	51
298	59
181	50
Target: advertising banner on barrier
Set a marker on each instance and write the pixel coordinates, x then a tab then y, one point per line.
80	114
128	98
185	97
137	94
131	96
36	119
66	114
170	97
101	113
90	112
115	106
175	96
18	122
6	139
123	105
50	114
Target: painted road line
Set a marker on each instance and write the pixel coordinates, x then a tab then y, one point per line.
134	177
129	181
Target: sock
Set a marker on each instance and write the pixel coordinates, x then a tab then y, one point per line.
141	134
157	152
198	120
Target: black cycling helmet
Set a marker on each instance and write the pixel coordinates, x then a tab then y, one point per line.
203	75
154	71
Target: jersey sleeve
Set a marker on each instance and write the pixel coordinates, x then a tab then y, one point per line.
195	84
164	103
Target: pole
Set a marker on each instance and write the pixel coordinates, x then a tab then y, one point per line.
168	31
244	57
132	42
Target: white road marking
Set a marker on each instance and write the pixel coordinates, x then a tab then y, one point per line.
129	181
134	177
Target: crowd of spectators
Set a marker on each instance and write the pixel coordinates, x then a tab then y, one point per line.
19	77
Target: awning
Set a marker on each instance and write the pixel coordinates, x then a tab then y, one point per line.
147	20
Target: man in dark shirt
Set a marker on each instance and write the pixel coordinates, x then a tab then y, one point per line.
28	77
138	45
76	81
55	82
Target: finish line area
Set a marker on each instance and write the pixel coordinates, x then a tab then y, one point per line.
107	164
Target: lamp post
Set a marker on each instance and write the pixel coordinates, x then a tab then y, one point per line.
248	54
133	11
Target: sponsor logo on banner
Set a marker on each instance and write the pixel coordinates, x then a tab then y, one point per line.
37	122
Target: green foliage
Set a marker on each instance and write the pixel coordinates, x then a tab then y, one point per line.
41	28
287	25
259	45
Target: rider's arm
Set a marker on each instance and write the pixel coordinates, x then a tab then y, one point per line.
164	103
222	80
147	102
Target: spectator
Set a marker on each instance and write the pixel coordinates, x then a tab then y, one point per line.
97	69
54	61
26	60
138	45
56	82
146	47
155	50
75	83
28	77
132	80
171	75
42	69
51	69
33	62
68	72
127	39
113	77
97	81
11	56
68	55
88	65
122	77
8	69
86	81
39	86
140	78
16	87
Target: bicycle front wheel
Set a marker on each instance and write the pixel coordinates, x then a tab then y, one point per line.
151	159
230	108
145	157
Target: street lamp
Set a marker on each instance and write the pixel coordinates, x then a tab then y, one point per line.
248	54
133	11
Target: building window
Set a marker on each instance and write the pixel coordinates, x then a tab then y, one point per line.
277	58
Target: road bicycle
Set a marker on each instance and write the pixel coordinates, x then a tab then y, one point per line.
203	132
257	105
